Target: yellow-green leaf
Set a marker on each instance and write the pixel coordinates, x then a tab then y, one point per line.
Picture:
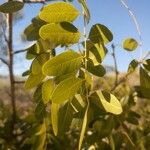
47	89
40	138
100	34
66	89
65	117
11	6
130	44
55	117
107	101
36	67
132	66
96	52
64	63
63	33
77	103
59	12
83	129
33	80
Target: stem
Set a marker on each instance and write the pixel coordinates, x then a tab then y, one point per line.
10	66
84	34
115	64
133	17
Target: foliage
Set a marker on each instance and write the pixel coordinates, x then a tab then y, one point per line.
67	105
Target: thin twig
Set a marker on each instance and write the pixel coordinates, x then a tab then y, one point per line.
115	64
4	61
20	51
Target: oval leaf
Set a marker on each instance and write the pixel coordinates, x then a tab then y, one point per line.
130	44
36	67
132	66
33	80
11	6
59	12
47	89
66	89
55	116
107	101
97	70
63	63
100	34
96	52
63	33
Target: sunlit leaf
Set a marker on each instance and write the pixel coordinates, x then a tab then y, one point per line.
65	76
100	34
84	125
130	44
96	52
33	80
133	65
107	101
59	12
47	89
78	103
38	62
64	63
66	89
63	33
40	138
55	116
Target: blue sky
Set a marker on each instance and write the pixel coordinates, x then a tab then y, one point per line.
108	12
